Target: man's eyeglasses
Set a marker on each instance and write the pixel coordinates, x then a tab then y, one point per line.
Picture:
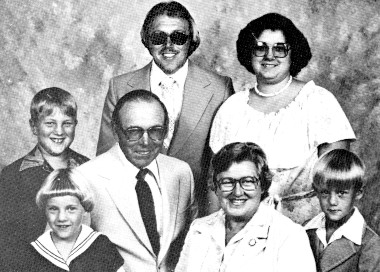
135	133
247	183
159	38
279	50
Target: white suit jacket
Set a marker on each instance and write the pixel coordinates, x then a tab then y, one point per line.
117	215
204	92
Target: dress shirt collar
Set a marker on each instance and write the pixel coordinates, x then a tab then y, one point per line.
35	158
133	170
157	75
352	229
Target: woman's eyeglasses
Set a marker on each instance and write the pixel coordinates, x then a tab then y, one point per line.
135	133
159	38
247	183
279	50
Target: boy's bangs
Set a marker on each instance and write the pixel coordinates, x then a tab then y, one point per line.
47	109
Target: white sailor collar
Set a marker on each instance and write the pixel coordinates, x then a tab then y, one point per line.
45	246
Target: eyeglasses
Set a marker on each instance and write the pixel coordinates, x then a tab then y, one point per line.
135	133
247	183
279	50
159	38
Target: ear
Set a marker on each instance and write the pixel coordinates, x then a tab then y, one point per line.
115	131
359	194
33	127
86	220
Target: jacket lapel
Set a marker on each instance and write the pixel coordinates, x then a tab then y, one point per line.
195	101
338	252
170	189
141	79
124	196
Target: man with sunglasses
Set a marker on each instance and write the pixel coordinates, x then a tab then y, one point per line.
144	199
190	93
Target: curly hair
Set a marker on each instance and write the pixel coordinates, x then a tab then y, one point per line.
239	152
299	46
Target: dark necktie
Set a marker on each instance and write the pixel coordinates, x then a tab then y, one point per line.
148	214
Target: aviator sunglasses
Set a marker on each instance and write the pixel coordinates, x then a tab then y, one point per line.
176	37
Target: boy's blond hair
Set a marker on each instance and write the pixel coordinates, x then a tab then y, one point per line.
338	168
44	102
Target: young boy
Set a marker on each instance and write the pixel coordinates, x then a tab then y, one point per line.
69	245
53	120
339	236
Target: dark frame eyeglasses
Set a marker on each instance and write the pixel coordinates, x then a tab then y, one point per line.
279	50
176	37
247	183
156	133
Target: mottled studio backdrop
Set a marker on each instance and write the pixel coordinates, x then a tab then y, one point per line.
79	45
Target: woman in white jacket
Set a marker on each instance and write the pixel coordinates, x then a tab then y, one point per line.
244	235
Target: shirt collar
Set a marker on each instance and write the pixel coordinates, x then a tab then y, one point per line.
257	227
157	75
133	170
352	229
45	246
35	159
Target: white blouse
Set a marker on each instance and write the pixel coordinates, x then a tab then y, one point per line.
289	136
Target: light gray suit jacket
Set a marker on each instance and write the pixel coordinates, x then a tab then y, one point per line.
204	92
117	214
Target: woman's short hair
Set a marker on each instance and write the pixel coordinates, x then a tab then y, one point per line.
300	50
239	152
338	168
63	182
44	102
175	10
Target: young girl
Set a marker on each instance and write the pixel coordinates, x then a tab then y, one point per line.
69	245
339	236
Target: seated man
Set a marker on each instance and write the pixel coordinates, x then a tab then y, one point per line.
53	120
190	93
144	199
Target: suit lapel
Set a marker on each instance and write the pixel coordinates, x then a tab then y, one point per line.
170	188
141	80
195	101
124	197
336	253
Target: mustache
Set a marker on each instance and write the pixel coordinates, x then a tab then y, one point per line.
168	49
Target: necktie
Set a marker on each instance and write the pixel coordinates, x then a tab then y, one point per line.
169	96
146	204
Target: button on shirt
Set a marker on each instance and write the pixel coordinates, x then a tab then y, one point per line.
157	76
153	180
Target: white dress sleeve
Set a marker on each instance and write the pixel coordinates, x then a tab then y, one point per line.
328	123
226	122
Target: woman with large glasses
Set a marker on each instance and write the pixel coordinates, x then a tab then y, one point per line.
294	121
245	235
